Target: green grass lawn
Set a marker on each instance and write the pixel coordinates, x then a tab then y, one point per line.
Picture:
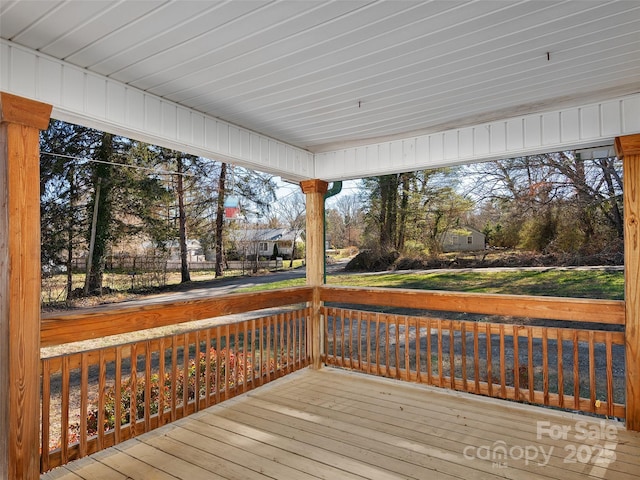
561	283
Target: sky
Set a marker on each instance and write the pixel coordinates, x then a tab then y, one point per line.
349	187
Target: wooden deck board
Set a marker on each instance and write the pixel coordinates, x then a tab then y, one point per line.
472	423
335	424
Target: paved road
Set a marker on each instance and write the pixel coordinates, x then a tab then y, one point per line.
229	285
225	286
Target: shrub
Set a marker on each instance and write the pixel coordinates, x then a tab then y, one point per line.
196	375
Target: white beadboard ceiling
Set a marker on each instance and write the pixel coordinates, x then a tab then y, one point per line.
322	75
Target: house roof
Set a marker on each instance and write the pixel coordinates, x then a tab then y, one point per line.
270	84
260	235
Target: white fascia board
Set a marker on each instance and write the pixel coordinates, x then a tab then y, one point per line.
96	101
585	126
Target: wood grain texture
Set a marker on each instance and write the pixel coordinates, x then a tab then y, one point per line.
101	322
495	364
116	369
337	424
314	191
628	148
20	121
556	308
25	112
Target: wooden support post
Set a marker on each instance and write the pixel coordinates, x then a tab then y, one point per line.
314	191
20	123
628	149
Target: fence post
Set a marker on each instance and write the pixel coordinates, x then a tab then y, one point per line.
314	191
628	149
20	123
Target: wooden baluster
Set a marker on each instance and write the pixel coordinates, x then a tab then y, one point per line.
387	359
463	353
530	364
283	351
334	317
545	365
236	365
217	372
560	334
227	344
185	374
147	386
368	340
64	410
245	354
46	414
609	354
253	345
592	372
429	363
418	347
174	378
207	368
516	361
102	386
440	355
576	372
118	395
407	360
261	338
376	334
161	382
489	359
133	385
196	380
397	343
476	357
503	369
84	402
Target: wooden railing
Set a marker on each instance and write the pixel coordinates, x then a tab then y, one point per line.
566	366
94	399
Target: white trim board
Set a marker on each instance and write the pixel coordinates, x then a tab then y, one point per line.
80	96
586	126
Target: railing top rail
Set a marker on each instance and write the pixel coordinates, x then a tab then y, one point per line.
88	324
553	308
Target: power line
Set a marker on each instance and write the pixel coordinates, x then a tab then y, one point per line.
137	167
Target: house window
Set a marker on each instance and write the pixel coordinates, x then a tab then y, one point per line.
469	240
263	247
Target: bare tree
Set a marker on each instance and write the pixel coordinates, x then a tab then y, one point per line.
182	217
350	209
220	218
292	211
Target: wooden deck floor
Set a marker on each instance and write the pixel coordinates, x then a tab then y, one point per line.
339	425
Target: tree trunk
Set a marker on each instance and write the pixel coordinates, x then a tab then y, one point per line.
293	250
70	230
220	218
182	218
404	202
92	240
388	210
104	184
615	215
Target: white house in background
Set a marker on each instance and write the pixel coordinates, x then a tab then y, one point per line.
260	241
463	239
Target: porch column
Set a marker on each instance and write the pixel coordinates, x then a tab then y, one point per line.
20	123
628	149
314	191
